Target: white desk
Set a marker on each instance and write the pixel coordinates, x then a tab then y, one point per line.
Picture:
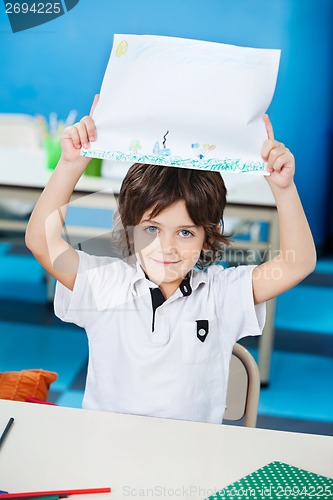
23	176
57	448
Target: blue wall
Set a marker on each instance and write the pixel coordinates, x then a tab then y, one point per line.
60	65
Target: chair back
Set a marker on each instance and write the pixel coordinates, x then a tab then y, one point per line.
243	387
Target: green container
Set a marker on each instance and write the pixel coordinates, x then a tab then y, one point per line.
94	167
53	151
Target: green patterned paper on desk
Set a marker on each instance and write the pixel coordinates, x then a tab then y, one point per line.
278	480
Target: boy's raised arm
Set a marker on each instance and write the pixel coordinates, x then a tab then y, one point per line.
297	255
44	231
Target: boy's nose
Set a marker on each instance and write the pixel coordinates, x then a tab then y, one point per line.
167	244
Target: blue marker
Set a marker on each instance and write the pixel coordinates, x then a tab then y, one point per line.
5	432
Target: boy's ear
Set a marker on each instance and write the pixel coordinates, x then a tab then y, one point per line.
220	226
130	234
205	247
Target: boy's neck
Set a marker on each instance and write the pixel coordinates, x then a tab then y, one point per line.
168	289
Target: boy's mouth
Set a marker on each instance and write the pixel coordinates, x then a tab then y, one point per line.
165	262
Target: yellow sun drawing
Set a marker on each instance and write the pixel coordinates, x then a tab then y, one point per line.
122	48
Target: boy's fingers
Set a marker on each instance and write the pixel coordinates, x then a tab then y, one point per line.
73	134
279	162
94	104
83	133
275	153
90	126
267	147
269	127
78	133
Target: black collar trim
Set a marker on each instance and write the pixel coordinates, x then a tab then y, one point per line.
157	297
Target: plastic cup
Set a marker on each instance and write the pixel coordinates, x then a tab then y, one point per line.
53	151
94	167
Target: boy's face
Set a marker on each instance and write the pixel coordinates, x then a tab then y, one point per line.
168	245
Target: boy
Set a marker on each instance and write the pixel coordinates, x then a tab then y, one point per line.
160	332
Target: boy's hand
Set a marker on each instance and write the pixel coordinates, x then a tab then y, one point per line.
77	136
280	161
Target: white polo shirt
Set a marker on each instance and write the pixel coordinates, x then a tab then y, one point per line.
173	363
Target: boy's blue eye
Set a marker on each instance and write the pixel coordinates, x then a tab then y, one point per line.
151	230
185	233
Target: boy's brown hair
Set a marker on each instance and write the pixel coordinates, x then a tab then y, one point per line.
156	187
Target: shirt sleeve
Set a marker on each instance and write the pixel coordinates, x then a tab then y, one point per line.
242	317
96	280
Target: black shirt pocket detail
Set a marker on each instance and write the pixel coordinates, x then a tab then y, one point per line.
200	341
202	329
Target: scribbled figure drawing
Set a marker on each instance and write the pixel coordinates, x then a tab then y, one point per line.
202	152
122	48
162	151
135	146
